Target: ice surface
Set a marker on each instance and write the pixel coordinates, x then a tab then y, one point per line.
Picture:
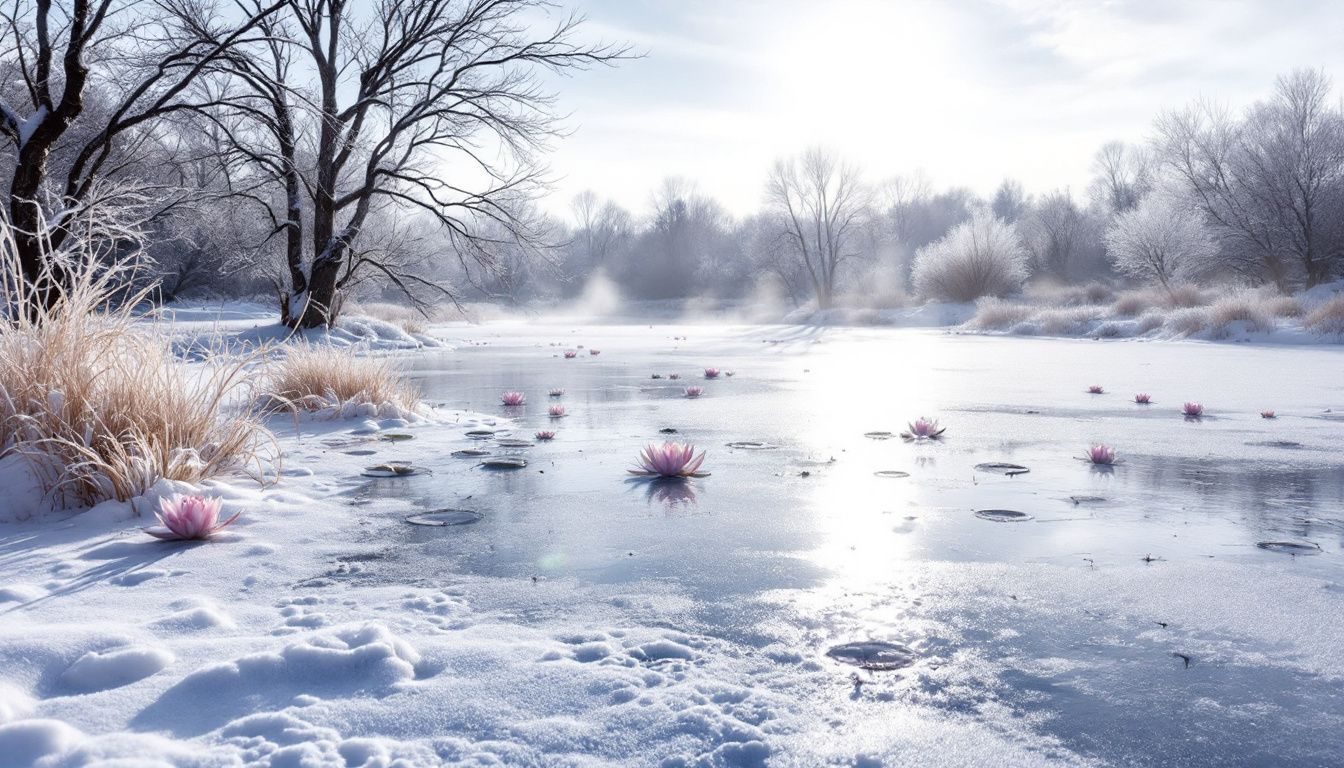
589	620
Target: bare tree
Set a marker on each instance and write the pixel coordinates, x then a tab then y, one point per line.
432	105
1052	232
141	58
1010	202
1160	240
1269	183
602	226
820	203
1121	175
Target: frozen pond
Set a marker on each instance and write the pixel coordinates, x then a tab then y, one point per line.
829	594
1132	618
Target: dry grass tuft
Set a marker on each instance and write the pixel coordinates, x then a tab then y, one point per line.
996	314
1244	307
1150	321
1283	306
320	378
1135	302
1327	319
98	405
409	319
1188	321
1185	296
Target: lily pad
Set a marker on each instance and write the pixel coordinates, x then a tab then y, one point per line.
505	462
360	452
391	469
481	434
1289	444
396	437
513	442
752	445
878	435
892	473
668	430
1002	515
873	655
1002	468
1088	499
445	517
1290	547
470	453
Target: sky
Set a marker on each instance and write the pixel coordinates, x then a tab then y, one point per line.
967	91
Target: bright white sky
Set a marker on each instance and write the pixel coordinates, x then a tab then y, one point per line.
970	91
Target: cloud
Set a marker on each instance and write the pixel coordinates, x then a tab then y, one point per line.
972	91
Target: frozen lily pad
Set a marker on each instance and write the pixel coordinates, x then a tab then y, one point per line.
391	469
892	473
481	434
505	462
1002	468
1088	499
445	517
877	435
668	431
1290	444
513	442
396	437
470	453
1002	515
873	655
1290	547
752	445
360	452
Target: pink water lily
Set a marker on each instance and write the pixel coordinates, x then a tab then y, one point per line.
556	411
1268	415
188	517
1096	389
711	373
546	434
693	391
669	460
513	398
557	392
1192	410
1143	399
571	354
1100	454
923	429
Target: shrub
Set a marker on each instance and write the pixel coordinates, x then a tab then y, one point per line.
1066	321
97	404
1243	307
979	257
1184	296
1327	319
1150	321
339	381
1283	306
995	314
1188	321
1131	303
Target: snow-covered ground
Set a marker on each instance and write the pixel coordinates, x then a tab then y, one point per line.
587	618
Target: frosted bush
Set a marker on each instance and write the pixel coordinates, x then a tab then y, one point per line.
979	257
996	314
1188	321
1327	319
